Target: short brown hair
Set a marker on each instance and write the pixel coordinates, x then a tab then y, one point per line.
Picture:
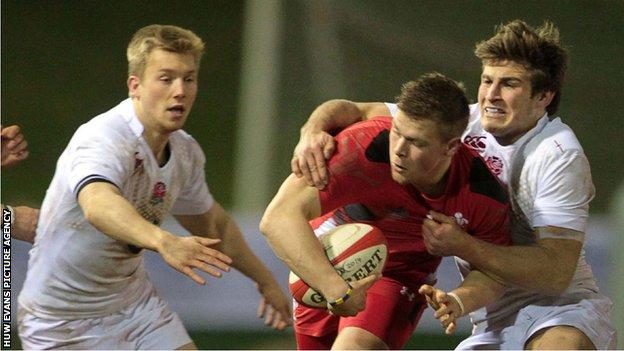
164	37
438	98
538	50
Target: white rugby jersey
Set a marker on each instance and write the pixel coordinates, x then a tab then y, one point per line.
76	271
549	182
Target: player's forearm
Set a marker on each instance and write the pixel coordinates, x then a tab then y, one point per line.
293	241
243	259
333	114
116	217
536	268
477	291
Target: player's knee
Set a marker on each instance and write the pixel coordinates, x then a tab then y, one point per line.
353	338
560	338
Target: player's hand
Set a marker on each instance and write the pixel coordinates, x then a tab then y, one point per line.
26	219
190	252
357	301
310	155
447	309
14	146
274	306
442	235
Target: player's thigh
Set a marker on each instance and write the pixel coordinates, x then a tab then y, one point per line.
315	329
391	314
152	325
561	337
353	338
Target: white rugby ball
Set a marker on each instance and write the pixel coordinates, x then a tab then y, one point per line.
355	250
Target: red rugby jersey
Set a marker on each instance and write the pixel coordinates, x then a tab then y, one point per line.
361	189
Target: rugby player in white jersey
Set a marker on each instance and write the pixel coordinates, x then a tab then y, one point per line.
552	300
122	172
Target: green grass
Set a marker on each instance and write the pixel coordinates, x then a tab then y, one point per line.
241	340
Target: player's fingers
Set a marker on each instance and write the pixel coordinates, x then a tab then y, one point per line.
196	278
329	147
16	141
294	166
213	261
21	156
262	306
367	282
437	216
10	132
313	168
450	329
207	268
321	169
216	254
207	241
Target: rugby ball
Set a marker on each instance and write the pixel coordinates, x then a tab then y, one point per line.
355	250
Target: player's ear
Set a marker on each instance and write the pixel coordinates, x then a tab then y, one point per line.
545	98
452	146
133	87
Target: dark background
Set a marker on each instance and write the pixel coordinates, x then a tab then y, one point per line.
63	62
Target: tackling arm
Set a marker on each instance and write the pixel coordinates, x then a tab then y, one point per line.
547	267
316	144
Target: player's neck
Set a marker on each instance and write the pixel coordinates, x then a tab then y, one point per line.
157	143
436	185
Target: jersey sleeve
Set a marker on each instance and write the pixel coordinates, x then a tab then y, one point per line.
95	156
393	108
195	198
564	190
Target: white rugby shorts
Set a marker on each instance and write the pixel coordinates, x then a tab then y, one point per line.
146	324
591	316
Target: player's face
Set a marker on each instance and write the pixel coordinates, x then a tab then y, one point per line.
418	155
507	109
166	92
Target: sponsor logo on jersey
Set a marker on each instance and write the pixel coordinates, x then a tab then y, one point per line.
495	164
406	291
475	142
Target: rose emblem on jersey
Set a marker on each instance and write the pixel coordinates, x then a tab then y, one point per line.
475	142
158	194
495	165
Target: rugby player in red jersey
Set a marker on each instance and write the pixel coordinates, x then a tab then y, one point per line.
389	173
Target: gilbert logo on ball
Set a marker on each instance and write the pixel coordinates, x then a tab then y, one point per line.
355	250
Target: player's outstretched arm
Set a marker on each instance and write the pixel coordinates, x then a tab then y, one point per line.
549	270
217	224
106	209
476	291
14	146
316	144
285	224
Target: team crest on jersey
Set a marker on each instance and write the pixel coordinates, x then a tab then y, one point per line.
475	142
158	194
495	164
459	218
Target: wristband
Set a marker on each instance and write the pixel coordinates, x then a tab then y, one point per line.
459	302
343	299
12	214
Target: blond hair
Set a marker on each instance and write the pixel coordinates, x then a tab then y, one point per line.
539	50
163	37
